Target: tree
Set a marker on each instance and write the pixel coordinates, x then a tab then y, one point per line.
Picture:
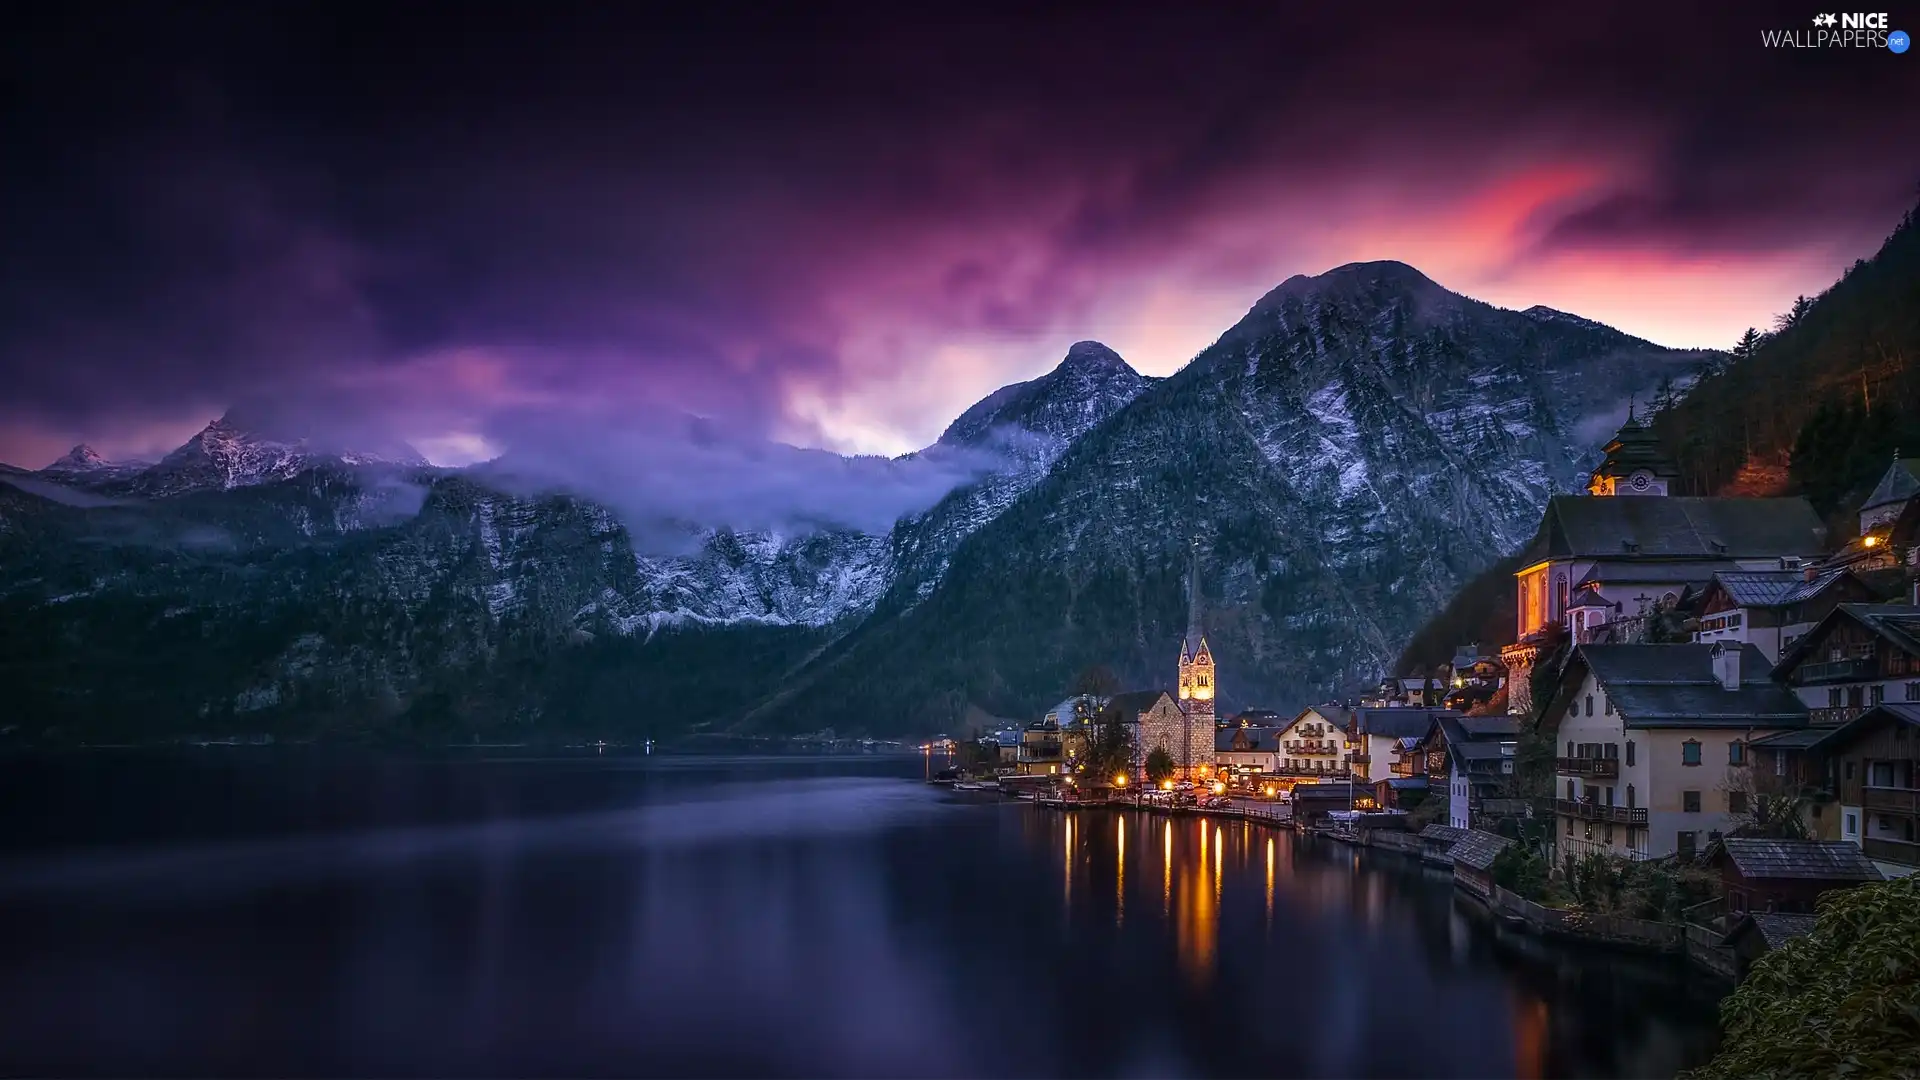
1109	747
1097	680
1159	765
1842	1001
1792	317
1773	807
1748	344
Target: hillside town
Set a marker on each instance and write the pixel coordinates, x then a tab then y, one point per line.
1705	699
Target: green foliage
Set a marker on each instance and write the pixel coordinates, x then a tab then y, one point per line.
1518	869
1659	891
1109	749
1841	1001
1159	764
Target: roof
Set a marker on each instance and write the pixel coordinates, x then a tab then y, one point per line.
1775	588
1899	483
1477	849
1675	686
1134	702
1445	833
1621	571
1798	739
1339	789
1635	447
1395	723
1774	928
1819	860
1897	623
1405	783
1903	712
1258	738
1677	527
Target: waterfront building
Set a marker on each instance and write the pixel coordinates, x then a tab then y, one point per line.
1193	747
1758	933
1473	756
1652	742
1154	721
1042	750
1870	765
1767	874
1399	792
1314	743
1473	858
1375	735
1247	749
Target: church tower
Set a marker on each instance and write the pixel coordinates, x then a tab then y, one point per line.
1196	680
1635	464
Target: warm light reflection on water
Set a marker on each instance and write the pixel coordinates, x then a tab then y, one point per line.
1269	882
1120	870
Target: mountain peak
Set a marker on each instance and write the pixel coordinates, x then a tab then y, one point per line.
1093	356
81	456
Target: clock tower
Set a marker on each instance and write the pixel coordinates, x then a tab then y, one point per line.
1634	464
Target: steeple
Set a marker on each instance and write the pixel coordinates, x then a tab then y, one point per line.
1196	659
1635	463
1195	640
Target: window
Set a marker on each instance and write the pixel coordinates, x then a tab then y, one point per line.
1609	833
1736	753
1684	842
1569	790
1834	699
1629	752
1853	824
1736	802
1569	747
1779	763
1849	770
1630	802
1589	704
1690	752
1690	802
1913	691
1880	774
1608	703
1569	826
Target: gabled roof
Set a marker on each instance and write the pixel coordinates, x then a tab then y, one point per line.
1775	928
1477	850
1404	783
1776	588
1695	572
1395	723
1676	527
1448	834
1134	702
1818	860
1899	483
1896	623
1674	686
1258	739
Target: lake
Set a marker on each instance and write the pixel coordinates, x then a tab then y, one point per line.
257	912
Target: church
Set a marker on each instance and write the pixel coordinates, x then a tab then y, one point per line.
1190	741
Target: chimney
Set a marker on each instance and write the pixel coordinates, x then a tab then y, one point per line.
1811	572
1726	664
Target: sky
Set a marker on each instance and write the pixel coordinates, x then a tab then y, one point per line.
836	226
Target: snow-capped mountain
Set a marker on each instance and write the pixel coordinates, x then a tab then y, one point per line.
83	463
1356	446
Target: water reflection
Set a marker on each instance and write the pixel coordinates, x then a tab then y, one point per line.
674	923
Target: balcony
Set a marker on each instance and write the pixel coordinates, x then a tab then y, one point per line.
1893	851
1360	759
1586	811
1852	669
1834	716
1403	768
1601	768
1893	800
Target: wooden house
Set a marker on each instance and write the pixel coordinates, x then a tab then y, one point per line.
1764	874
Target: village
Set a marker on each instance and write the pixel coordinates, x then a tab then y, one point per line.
1707	719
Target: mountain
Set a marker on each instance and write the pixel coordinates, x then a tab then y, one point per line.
83	464
1351	450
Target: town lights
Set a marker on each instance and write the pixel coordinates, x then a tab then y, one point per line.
1219	788
1120	780
1269	791
1166	785
1870	541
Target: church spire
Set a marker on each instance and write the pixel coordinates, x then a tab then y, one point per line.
1194	636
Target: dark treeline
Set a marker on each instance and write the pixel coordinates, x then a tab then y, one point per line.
1818	404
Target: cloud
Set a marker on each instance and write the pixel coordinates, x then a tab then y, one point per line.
668	475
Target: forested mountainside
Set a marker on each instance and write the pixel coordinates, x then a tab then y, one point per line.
1351	451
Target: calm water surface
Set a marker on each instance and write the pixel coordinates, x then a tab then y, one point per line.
245	914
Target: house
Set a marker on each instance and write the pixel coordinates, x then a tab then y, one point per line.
1771	609
1375	734
1399	792
1655	744
1858	656
1758	933
1473	858
1613	561
1247	749
1784	765
1314	743
1155	721
1042	750
1415	690
1473	756
1870	761
1312	802
1766	874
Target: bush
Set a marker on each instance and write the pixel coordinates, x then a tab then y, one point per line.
1842	1001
